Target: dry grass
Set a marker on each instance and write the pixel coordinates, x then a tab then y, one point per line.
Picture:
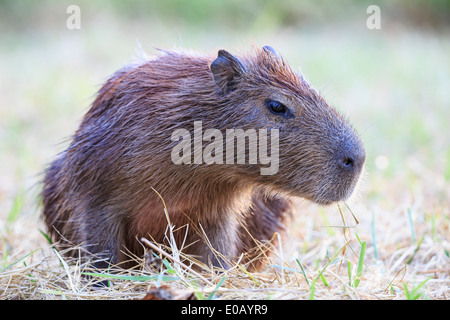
318	261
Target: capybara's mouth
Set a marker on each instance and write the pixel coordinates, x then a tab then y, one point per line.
337	193
331	200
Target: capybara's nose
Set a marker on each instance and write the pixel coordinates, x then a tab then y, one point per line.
351	157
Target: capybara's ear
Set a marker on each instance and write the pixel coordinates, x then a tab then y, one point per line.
270	50
226	69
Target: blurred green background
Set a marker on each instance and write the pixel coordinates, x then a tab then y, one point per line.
392	83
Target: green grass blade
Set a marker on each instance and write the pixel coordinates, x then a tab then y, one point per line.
303	271
360	264
349	269
249	274
16	208
411	226
324	280
415	250
357	237
17	261
169	268
415	291
46	236
130	278
211	296
312	288
407	293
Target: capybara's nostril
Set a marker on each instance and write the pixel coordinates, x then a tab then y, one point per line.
347	163
352	157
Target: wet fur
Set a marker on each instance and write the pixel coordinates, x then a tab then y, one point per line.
100	191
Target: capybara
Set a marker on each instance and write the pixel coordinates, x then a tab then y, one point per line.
106	190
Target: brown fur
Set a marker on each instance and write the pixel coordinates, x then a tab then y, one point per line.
100	191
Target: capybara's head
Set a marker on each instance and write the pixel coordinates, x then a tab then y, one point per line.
320	156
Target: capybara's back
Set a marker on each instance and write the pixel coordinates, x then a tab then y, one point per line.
226	142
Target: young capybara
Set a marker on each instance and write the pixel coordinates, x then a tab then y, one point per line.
106	190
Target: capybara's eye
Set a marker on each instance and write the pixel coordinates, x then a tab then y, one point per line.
278	108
